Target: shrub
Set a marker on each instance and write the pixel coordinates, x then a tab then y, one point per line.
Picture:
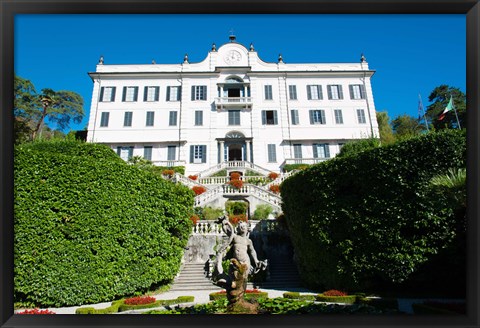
193	177
371	217
85	220
291	167
234	219
236	208
236	183
358	146
274	188
198	190
272	175
379	303
249	294
350	299
210	213
262	211
298	296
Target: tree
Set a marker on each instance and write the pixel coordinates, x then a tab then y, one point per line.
385	129
32	109
440	97
405	127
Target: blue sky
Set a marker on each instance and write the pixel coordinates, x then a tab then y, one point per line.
412	54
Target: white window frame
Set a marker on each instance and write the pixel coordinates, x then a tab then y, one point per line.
338	116
110	93
361	116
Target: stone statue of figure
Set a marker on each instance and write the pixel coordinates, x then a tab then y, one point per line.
235	282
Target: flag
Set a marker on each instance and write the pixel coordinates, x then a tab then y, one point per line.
447	109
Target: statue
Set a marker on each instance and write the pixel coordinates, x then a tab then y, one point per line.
235	282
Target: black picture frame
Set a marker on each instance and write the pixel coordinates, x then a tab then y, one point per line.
10	8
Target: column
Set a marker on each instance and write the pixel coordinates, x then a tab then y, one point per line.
222	151
247	155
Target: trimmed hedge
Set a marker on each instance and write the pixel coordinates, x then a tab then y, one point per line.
298	296
120	306
372	218
349	299
379	303
90	228
220	296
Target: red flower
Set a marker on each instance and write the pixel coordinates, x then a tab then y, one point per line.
234	219
36	311
272	175
198	190
235	176
236	183
168	173
334	292
274	188
140	300
194	218
192	177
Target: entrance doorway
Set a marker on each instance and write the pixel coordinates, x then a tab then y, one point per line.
235	152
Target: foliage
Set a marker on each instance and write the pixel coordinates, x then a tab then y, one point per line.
249	294
90	227
221	173
357	146
291	167
349	299
235	208
198	190
298	296
405	127
211	213
385	129
371	218
260	181
113	308
262	212
440	96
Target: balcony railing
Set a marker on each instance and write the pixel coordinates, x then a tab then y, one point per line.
169	163
222	102
304	160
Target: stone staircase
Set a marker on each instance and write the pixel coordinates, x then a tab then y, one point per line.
192	277
283	275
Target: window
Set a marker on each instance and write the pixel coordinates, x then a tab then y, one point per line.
268	92
174	93
127	120
321	151
361	116
104	119
130	94
233	117
335	92
295	119
171	153
198	117
317	116
107	94
297	151
151	94
198	154
199	92
147	152
338	116
124	152
314	92
173	118
357	91
150	118
292	91
269	117
272	153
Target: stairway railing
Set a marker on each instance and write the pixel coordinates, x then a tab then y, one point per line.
233	165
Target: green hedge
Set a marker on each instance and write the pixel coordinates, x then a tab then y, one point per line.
349	299
90	228
298	296
371	218
120	306
219	296
379	303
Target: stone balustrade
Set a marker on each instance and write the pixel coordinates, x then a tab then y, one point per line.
210	227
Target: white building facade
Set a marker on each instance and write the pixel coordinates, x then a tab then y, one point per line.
232	106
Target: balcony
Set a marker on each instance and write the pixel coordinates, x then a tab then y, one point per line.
308	161
227	102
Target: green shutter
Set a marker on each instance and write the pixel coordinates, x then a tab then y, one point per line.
145	93
193	92
275	117
311	116
322	117
350	88
168	94
113	93
315	151
179	93
191	153
362	91
135	94
101	93
309	92
320	92
340	92
124	93
157	93
204	154
327	150
264	117
329	91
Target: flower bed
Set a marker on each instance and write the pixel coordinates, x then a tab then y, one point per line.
274	188
36	311
298	296
336	296
249	294
198	190
272	175
140	300
193	177
120	306
236	183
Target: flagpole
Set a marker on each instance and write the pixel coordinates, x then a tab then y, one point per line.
455	110
420	104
